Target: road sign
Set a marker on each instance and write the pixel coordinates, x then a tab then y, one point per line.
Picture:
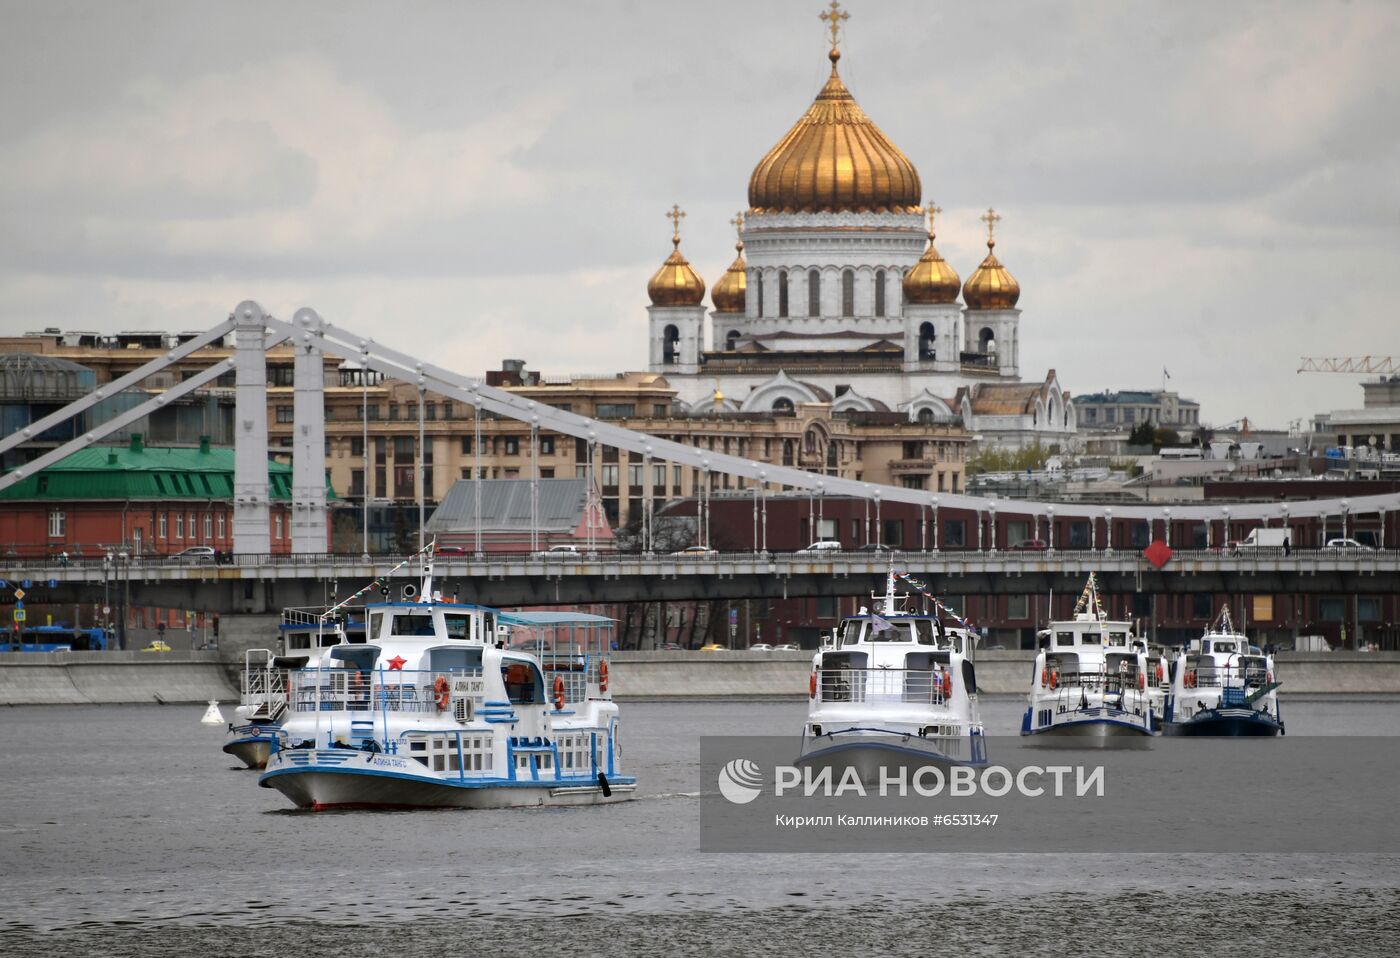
19	595
20	615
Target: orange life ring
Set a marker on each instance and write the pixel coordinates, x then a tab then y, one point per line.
812	686
1054	679
1190	678
442	693
558	693
603	676
947	684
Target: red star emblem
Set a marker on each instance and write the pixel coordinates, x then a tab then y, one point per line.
398	662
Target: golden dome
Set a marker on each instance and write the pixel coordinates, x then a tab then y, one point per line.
728	294
990	286
931	280
676	283
834	159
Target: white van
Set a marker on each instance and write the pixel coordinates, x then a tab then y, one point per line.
823	545
1263	539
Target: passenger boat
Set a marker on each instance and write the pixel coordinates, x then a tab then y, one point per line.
1222	685
1090	678
435	710
306	636
894	688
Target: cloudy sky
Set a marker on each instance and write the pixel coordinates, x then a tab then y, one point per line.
1210	187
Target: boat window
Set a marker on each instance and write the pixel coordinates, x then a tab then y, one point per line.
455	660
850	634
923	631
329	639
1090	638
488	627
524	684
897	632
1064	638
1117	638
376	622
298	640
413	623
458	625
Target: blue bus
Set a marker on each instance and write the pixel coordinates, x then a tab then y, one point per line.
55	638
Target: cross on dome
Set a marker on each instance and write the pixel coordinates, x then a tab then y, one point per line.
675	215
833	18
991	218
933	210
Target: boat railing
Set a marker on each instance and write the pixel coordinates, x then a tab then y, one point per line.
580	672
1226	676
1095	681
264	690
356	690
882	686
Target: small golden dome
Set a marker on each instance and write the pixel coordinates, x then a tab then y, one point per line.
676	283
834	159
990	286
728	294
931	280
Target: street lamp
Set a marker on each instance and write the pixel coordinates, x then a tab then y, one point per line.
934	500
1344	518
992	510
1224	528
1050	523
1167	527
1108	528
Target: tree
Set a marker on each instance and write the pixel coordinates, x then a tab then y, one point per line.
1143	434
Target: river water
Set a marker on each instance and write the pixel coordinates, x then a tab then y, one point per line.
125	831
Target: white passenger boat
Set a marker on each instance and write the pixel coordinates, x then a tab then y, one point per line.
306	637
435	710
1222	685
894	688
1090	677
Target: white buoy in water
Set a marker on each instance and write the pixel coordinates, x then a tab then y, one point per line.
212	715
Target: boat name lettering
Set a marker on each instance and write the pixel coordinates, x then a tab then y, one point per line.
388	762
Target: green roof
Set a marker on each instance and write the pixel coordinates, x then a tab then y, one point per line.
124	472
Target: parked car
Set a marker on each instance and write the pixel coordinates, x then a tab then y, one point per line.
451	550
1348	545
671	647
760	647
562	551
696	552
1028	545
157	645
787	647
196	554
824	545
875	547
714	647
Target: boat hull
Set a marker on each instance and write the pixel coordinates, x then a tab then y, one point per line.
1103	731
252	751
872	756
355	784
1227	723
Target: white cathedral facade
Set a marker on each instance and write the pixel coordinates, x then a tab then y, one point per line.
844	298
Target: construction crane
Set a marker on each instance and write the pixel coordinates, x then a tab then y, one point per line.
1350	364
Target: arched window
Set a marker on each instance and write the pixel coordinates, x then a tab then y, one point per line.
787	452
782	293
987	340
926	338
782	405
814	292
670	341
730	339
833	453
810	442
925	417
758	284
848	292
879	292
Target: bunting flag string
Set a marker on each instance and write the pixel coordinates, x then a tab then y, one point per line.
938	605
1089	598
379	580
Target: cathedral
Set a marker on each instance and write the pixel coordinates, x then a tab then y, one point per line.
844	299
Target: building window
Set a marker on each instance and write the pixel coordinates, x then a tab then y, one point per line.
281	375
616	410
1018	607
403	482
466	445
782	292
730	340
954	533
926	347
357	482
879	292
162	526
782	405
277	526
284	414
58	524
893	533
194	529
512	445
179	525
357	446
546	445
430	411
403	448
208	527
222	527
757	285
848	292
610	477
814	292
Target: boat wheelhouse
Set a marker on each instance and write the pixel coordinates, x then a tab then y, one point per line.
893	687
1222	685
1090	678
437	709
